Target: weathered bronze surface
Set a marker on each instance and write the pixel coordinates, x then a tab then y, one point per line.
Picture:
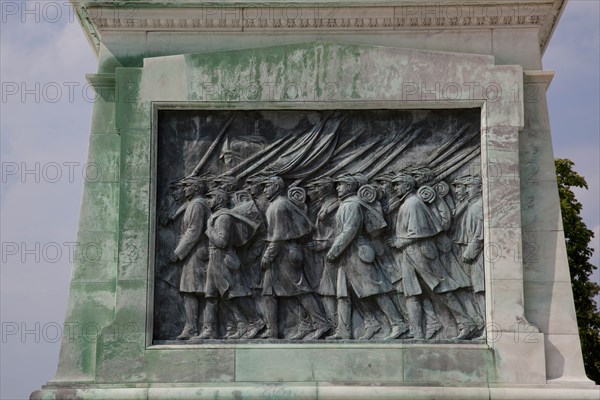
319	225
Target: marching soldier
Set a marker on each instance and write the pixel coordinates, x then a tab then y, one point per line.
192	250
414	239
283	262
224	276
358	276
468	235
451	264
322	191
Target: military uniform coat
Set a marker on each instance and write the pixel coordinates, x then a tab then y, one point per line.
252	252
419	260
192	247
389	267
469	237
354	253
286	223
224	274
324	235
448	257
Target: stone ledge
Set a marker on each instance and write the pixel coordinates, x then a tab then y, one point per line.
323	392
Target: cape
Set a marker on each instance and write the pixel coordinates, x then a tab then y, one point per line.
286	221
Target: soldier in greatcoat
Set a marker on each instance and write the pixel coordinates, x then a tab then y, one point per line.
170	215
417	253
353	254
192	249
468	235
322	192
283	262
389	207
391	204
226	230
439	205
251	253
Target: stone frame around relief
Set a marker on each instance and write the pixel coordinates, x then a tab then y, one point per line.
344	108
172	82
412	364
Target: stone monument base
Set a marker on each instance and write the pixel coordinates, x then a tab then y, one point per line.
320	391
361	371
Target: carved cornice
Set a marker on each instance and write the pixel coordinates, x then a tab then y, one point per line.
101	17
326	18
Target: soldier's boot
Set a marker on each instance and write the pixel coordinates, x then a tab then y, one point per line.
371	328
320	325
320	331
190	303
230	330
343	330
464	331
465	323
399	326
240	313
483	335
242	329
303	330
415	314
243	311
209	332
270	332
432	323
210	320
253	329
270	314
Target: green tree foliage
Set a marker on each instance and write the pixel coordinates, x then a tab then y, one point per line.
578	237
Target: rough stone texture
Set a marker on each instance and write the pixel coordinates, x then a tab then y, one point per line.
306	365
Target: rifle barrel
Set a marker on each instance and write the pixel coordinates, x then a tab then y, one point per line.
266	157
211	149
258	154
395	154
456	143
349	160
470	156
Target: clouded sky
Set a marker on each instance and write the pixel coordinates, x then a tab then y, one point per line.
45	116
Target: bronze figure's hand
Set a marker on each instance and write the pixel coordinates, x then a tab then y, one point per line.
265	263
330	258
394	242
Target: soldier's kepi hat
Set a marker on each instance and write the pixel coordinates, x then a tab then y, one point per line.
217	192
192	179
325	180
207	177
385	177
462	180
346	178
272	179
404	177
475	180
225	179
361	179
176	184
251	180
